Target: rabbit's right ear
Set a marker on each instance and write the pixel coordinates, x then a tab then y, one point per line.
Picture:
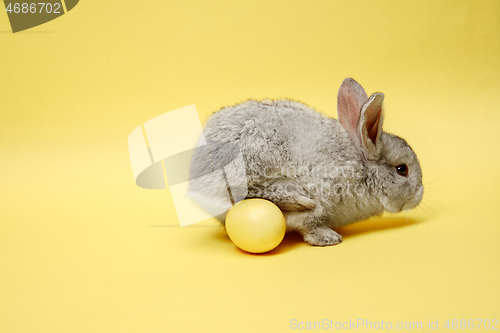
370	126
350	99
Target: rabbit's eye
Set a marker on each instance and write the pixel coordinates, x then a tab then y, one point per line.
402	170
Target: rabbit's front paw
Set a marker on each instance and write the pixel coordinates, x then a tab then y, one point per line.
323	237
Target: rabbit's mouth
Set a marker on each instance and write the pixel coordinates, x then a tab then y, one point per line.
394	206
413	202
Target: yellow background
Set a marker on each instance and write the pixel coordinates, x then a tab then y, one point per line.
83	249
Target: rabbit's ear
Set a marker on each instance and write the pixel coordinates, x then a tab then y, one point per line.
370	126
350	99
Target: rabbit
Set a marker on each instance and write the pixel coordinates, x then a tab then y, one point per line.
323	173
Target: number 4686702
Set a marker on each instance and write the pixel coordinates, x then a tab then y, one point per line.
463	324
34	8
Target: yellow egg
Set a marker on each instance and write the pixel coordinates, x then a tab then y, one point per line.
255	225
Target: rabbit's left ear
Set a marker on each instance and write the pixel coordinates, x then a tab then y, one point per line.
370	126
350	99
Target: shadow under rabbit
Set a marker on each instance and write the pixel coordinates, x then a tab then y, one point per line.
293	240
377	224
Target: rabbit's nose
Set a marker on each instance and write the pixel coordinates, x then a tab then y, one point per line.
413	202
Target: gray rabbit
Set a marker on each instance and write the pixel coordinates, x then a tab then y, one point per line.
321	172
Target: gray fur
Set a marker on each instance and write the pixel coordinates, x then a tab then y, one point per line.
321	174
